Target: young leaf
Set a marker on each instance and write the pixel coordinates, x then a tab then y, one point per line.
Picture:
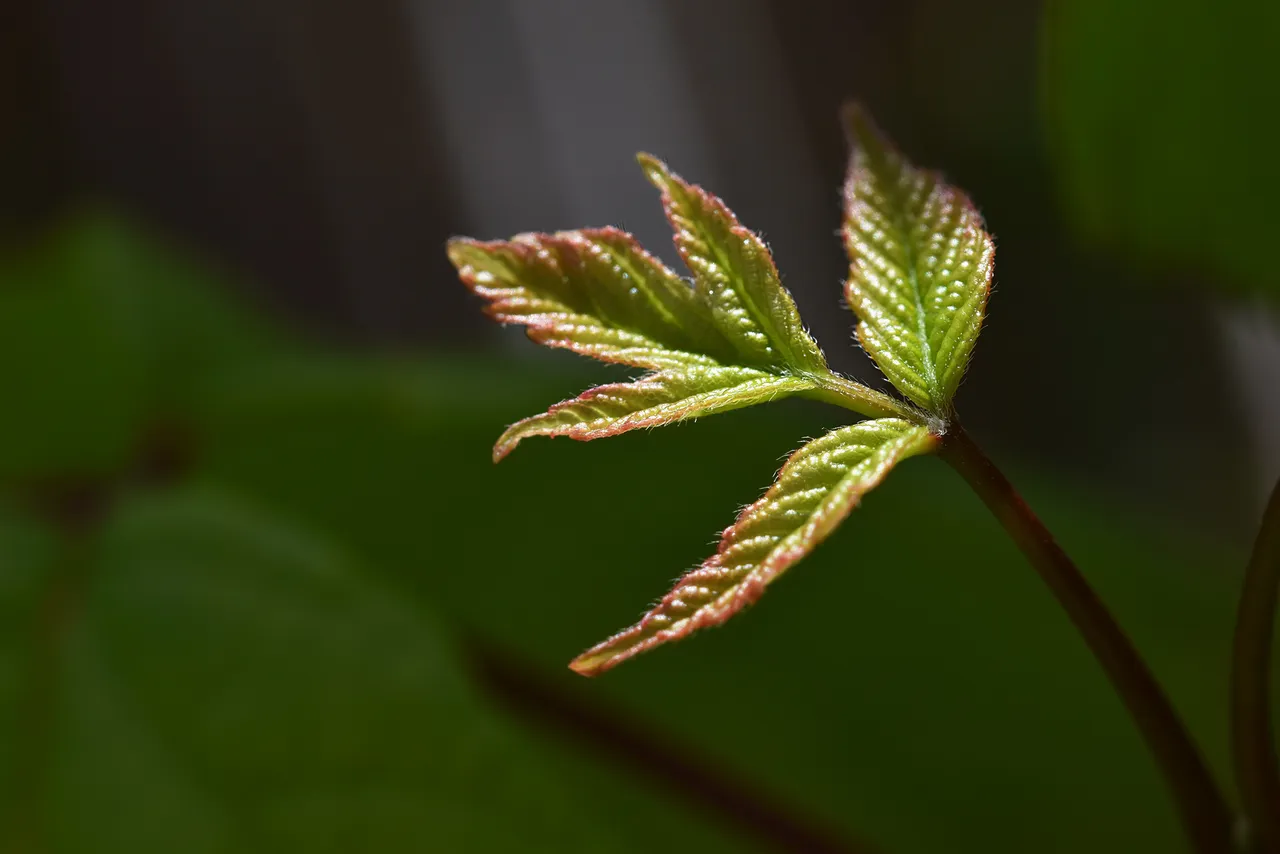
733	339
816	489
595	292
734	276
920	268
657	399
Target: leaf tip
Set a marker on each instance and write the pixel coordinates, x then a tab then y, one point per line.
654	169
588	665
860	129
609	653
505	445
460	250
852	114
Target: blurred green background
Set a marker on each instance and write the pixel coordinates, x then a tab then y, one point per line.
261	588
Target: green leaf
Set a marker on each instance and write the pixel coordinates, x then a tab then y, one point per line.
103	325
202	676
1152	115
660	398
28	550
595	292
734	276
817	488
922	661
733	339
920	268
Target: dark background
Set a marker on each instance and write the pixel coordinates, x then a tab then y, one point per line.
261	588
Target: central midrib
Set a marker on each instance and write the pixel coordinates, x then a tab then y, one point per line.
762	320
909	251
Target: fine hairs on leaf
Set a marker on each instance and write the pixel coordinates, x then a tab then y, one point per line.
920	271
731	337
817	488
920	267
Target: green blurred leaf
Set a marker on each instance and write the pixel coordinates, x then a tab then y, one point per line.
921	688
220	681
27	554
815	491
1155	115
920	271
101	329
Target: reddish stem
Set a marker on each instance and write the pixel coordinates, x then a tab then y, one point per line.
1205	815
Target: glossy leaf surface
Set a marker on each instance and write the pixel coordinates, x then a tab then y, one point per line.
920	268
816	489
731	339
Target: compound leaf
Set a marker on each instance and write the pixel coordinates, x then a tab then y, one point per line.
731	339
816	489
920	268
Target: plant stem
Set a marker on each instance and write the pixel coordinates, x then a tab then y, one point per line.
856	397
1205	815
1251	738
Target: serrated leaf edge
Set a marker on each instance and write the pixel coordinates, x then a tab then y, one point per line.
860	128
800	352
553	327
762	388
835	508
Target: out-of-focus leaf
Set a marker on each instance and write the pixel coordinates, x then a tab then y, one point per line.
70	363
1154	115
215	680
733	339
28	550
102	328
920	268
941	702
817	488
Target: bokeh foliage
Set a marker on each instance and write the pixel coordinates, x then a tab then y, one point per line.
185	668
258	645
1158	119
